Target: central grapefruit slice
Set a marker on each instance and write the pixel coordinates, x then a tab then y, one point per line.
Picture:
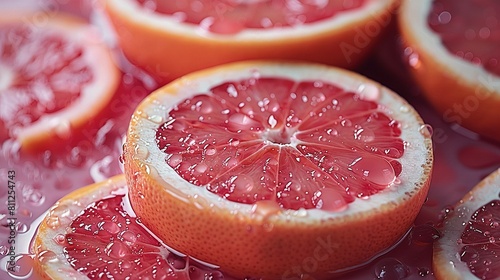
266	168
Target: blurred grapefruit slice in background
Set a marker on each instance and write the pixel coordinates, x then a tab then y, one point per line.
55	76
469	246
452	48
173	38
269	169
89	234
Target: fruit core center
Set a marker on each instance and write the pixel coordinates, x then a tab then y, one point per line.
469	30
280	137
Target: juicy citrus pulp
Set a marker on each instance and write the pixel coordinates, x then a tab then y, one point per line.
303	144
172	39
226	17
55	76
451	48
469	247
266	141
469	30
90	233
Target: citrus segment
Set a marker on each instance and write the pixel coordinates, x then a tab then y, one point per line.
468	248
55	77
250	137
88	234
470	31
228	17
451	48
171	39
275	186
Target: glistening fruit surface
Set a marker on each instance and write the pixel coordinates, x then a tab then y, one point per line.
252	228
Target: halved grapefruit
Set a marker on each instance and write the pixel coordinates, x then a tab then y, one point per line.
55	75
277	170
173	38
88	234
469	246
452	49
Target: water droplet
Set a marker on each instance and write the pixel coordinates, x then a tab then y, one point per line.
330	200
424	235
110	227
22	227
237	122
156	119
426	130
423	271
141	152
200	168
369	91
53	222
375	169
117	249
174	160
61	127
60	239
129	237
23	267
391	268
272	121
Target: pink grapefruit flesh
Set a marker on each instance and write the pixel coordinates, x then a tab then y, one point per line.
470	30
227	16
306	144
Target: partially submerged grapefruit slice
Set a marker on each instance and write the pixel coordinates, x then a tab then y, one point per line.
469	246
173	38
269	169
452	48
89	234
55	75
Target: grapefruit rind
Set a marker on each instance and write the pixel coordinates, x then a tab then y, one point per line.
463	92
94	97
210	228
50	260
446	257
170	49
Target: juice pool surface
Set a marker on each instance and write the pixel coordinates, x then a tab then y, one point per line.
461	160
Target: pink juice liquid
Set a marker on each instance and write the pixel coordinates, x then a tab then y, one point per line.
461	160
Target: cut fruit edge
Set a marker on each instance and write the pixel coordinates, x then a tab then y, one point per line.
157	21
94	98
50	260
418	152
446	257
189	208
413	18
463	93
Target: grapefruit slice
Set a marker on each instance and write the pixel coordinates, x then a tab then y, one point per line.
277	170
172	38
452	48
469	246
55	75
88	234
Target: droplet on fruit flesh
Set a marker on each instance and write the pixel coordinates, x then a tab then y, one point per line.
230	17
480	241
104	240
470	30
306	144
